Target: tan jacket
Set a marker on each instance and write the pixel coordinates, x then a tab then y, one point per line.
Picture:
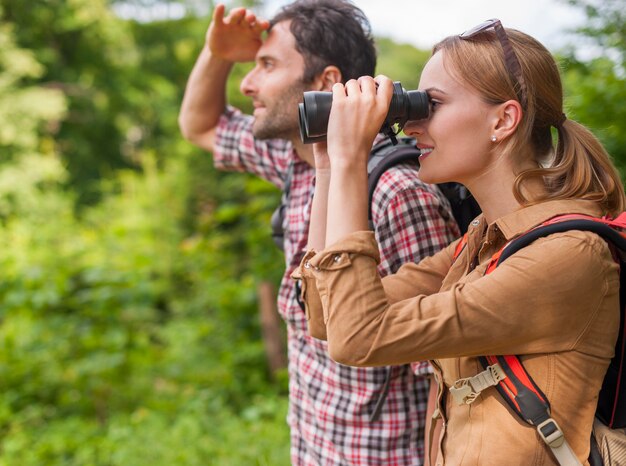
555	303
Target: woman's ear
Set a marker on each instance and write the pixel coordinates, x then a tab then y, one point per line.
325	80
508	117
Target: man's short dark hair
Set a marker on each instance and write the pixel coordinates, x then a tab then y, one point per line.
331	32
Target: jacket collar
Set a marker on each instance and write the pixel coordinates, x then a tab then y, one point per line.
520	221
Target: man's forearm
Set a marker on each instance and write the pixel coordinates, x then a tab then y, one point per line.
205	99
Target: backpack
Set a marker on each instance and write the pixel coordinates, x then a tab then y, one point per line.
384	155
507	373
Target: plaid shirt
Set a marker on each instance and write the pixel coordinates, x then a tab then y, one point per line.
331	404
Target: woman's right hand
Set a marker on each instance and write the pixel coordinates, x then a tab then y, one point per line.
236	37
358	111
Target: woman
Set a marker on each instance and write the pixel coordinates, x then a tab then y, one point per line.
496	95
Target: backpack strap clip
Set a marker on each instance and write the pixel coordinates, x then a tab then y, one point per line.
551	433
466	390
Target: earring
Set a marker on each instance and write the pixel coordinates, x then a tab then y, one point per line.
494	138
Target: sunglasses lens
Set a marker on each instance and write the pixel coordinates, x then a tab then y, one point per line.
480	28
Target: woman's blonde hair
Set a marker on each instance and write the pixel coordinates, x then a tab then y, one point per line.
579	167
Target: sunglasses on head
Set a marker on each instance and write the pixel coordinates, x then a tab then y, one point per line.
510	58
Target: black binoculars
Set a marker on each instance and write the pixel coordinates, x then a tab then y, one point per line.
314	112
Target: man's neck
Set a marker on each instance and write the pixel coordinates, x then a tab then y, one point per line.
304	151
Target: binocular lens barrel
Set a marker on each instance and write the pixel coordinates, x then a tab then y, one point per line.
314	111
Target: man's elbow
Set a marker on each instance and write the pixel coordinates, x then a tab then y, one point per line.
186	128
203	138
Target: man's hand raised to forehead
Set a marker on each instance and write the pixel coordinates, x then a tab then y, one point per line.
236	37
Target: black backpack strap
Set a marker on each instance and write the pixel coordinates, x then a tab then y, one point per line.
277	221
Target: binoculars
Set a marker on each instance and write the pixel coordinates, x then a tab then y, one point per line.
405	105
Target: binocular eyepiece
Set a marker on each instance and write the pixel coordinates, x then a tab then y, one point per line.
314	112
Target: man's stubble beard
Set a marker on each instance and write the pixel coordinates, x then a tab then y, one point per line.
280	119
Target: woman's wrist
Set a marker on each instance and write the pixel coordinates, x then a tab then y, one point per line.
322	172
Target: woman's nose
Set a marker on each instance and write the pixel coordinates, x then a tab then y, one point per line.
414	127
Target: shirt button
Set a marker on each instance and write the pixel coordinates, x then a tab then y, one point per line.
475	222
307	265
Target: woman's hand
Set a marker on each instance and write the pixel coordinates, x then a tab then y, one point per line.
358	111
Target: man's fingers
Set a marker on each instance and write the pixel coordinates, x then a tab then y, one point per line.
250	17
218	14
235	16
261	25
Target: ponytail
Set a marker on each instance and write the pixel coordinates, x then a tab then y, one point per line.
580	169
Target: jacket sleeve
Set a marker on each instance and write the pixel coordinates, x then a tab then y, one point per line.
313	309
411	279
526	306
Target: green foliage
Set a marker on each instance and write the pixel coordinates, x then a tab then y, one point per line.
129	330
24	108
595	92
595	89
121	331
402	63
89	55
605	25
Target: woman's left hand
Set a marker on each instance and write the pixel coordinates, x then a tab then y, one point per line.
320	156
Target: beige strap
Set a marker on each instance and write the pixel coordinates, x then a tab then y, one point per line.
551	433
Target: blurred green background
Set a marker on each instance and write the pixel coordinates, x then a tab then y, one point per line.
129	328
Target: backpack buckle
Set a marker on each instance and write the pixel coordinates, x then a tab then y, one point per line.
466	390
551	433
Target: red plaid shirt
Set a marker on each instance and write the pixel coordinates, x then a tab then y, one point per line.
331	404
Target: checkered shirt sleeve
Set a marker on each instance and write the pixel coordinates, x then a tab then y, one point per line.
236	149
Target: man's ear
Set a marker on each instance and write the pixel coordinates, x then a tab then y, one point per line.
508	118
325	80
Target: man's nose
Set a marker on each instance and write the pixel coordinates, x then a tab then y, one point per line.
248	83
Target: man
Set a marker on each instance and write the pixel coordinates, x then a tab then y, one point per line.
338	415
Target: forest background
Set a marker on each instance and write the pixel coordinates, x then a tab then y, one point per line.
130	268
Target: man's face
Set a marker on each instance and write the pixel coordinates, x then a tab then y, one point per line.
275	85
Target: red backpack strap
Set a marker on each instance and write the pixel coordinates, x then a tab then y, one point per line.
459	247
